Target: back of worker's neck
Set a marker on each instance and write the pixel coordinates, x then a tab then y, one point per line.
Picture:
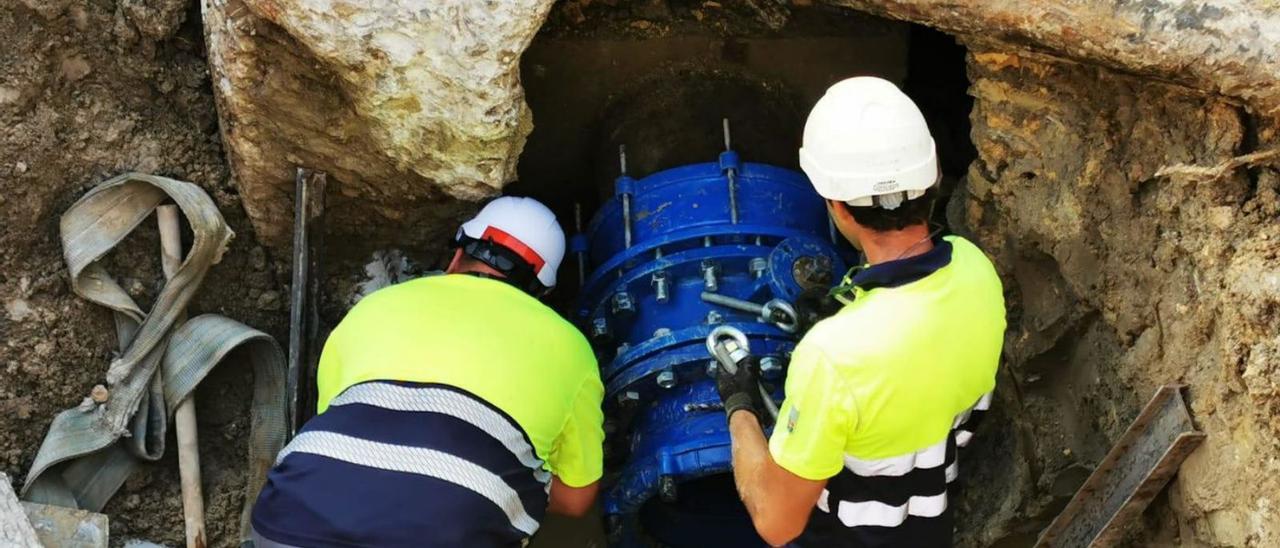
882	247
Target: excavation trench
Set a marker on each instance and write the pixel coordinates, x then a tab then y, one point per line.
1049	164
677	102
1124	269
666	97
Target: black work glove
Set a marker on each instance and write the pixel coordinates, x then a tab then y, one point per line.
814	305
741	390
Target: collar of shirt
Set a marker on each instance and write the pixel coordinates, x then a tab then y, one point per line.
904	271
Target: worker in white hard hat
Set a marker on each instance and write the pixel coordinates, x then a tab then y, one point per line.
454	410
880	395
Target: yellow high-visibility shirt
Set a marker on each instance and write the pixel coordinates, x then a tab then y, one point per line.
490	339
885	379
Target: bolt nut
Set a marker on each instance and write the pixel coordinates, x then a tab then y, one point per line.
622	304
709	272
628	397
770	366
667	379
600	328
661	287
714	317
758	266
667	488
661	332
713	367
622	349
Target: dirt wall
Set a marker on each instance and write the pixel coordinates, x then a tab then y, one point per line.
1121	279
88	91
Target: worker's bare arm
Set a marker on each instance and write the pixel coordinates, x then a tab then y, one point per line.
779	502
571	501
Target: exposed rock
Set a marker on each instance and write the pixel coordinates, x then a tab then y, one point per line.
15	530
407	105
48	9
1220	46
155	19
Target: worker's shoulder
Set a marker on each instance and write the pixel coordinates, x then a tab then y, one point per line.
449	289
398	290
839	335
967	253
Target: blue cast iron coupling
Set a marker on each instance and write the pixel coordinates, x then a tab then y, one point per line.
752	237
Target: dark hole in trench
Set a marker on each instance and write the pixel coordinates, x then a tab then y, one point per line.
664	98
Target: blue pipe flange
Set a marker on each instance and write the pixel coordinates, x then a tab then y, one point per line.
742	233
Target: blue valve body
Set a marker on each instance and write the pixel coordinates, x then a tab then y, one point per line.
681	227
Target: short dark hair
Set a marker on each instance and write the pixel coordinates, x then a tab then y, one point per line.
910	213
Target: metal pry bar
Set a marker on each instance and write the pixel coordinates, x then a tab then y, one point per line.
308	206
1135	470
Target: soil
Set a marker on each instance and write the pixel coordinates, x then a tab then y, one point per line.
88	92
1120	279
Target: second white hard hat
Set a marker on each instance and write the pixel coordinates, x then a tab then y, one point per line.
866	143
525	227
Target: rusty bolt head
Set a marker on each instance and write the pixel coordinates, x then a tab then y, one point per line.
811	272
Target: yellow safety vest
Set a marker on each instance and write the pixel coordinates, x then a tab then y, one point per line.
489	339
879	396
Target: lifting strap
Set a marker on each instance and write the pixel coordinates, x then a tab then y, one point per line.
91	449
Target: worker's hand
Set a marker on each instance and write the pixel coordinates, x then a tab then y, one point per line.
812	306
740	391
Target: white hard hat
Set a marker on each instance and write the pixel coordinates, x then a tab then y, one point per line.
866	139
526	228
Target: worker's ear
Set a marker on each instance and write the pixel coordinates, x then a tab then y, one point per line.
844	221
455	263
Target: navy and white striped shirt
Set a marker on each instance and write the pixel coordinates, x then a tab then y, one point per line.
405	464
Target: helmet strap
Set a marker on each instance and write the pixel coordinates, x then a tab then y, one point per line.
515	271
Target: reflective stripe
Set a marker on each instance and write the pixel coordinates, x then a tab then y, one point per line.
822	501
963	437
953	472
447	402
416	460
984	403
930	457
856	514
